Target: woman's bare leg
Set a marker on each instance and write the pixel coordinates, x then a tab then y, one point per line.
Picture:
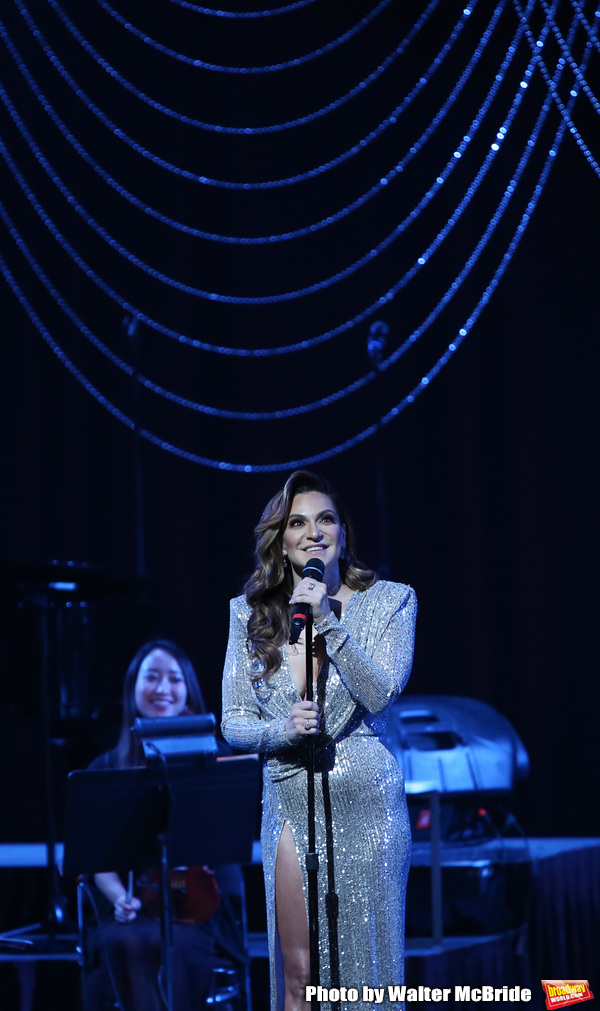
292	924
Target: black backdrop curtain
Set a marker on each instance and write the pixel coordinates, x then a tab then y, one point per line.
489	487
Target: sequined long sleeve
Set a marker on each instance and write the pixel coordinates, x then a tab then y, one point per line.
375	678
243	724
362	829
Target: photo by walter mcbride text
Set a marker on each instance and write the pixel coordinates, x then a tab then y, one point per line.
411	994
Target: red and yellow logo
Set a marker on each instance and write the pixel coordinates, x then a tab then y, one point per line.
566	991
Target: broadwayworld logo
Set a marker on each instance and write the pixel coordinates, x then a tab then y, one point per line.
566	991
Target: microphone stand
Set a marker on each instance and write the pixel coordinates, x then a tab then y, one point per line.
312	857
165	975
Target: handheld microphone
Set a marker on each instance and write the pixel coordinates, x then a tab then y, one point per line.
313	570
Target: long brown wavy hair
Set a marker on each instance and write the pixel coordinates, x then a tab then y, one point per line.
270	586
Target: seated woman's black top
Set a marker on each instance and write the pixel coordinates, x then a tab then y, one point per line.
134	950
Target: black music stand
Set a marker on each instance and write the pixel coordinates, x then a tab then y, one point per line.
171	815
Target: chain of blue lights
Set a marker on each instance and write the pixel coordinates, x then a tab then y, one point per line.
571	61
591	30
393	118
300	121
120	415
242	131
481	244
255	240
270	68
302	345
144	381
249	468
60	301
315	226
159	275
242	14
252	416
410	218
493	284
259	415
124	419
560	105
442	360
361	436
141	317
285	296
426	379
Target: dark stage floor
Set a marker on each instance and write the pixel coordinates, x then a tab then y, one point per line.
555	884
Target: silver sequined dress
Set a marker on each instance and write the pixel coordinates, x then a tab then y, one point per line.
369	657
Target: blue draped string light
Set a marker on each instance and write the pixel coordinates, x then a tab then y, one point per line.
245	240
246	131
560	105
221	128
566	51
383	244
393	358
591	29
286	9
270	68
311	173
539	67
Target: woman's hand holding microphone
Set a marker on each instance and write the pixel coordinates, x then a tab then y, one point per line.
309	591
304	719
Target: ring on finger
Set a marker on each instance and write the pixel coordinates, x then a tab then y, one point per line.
307	726
311	586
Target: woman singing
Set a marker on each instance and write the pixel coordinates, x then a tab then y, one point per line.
361	659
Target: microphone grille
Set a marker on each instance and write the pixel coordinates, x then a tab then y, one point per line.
314	569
